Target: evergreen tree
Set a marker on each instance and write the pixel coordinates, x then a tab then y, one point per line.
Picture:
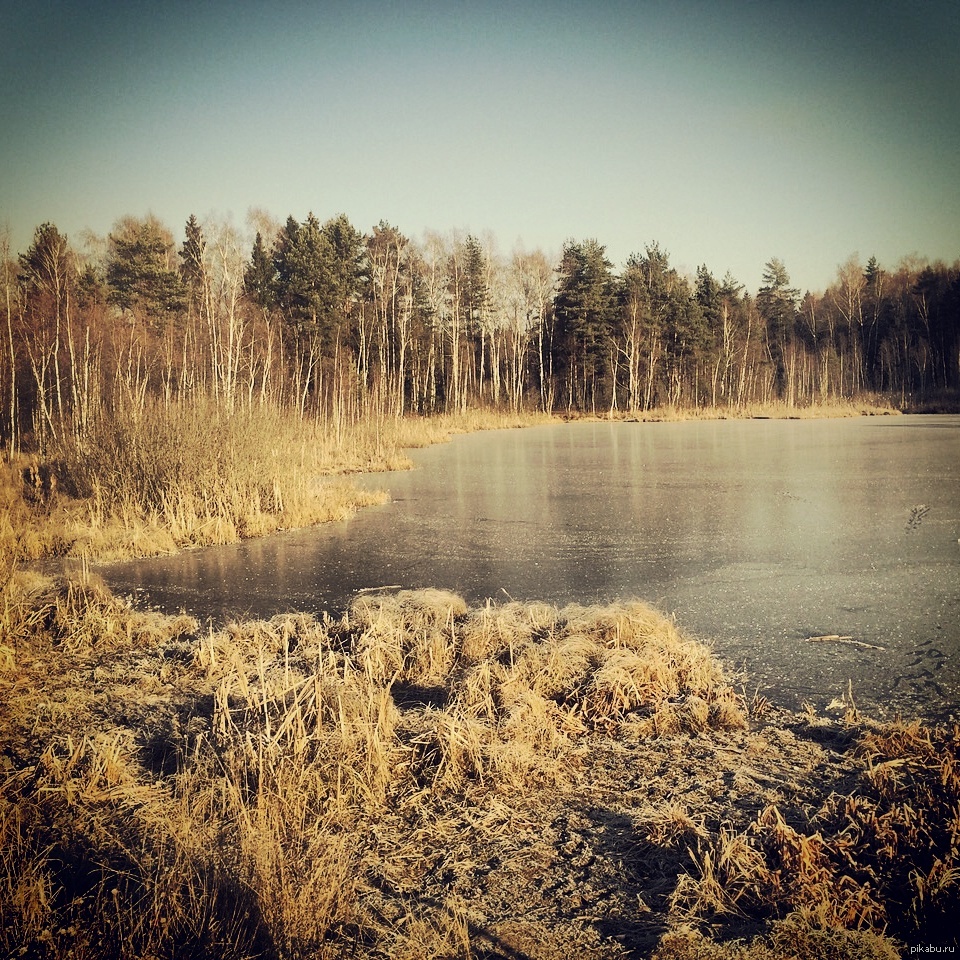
676	315
873	304
91	287
260	276
140	275
473	287
191	254
584	308
193	272
347	265
306	291
47	269
707	291
777	303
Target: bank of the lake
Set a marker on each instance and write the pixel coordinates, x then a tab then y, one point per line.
815	554
184	474
423	778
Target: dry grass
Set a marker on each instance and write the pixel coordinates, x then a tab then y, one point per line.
867	405
189	473
155	487
409	637
243	813
194	474
416	431
885	857
788	940
864	406
330	787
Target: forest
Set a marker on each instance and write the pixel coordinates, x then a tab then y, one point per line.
326	322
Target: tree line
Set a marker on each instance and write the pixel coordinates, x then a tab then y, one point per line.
326	321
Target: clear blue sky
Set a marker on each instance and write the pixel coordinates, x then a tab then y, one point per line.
729	132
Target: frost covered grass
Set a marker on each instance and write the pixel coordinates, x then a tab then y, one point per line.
421	778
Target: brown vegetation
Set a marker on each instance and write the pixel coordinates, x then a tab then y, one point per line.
417	779
422	779
189	474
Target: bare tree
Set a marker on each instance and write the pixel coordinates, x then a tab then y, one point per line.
847	296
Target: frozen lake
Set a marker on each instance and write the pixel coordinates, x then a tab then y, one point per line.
754	534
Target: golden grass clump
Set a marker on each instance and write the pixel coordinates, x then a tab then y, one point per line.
26	530
240	647
534	679
25	606
323	718
496	629
559	668
460	749
524	741
410	636
78	612
280	820
809	872
442	935
610	663
86	614
669	825
729	869
206	475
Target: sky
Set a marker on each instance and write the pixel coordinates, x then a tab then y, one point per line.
728	132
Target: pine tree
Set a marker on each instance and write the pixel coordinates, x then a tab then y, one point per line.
347	265
260	276
306	289
584	307
191	253
473	288
47	268
193	272
777	303
140	275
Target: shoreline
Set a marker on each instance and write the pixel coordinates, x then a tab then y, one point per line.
310	485
515	780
